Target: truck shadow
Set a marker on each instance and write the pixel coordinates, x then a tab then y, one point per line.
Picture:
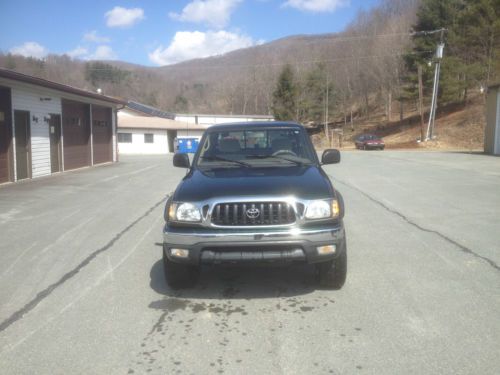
221	282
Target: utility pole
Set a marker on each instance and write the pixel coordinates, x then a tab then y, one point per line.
326	109
437	71
421	103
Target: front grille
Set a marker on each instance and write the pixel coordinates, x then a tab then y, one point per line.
253	213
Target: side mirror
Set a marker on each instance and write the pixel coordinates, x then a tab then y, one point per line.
331	156
181	160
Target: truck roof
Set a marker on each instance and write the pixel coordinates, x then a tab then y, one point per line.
254	124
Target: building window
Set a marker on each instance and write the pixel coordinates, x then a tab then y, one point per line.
100	123
149	138
124	137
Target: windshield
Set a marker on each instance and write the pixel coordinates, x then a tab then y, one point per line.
371	138
255	148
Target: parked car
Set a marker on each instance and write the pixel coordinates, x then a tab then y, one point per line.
255	193
369	142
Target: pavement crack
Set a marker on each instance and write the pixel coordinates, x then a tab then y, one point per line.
19	314
463	248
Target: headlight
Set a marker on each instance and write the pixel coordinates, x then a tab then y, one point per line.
184	212
322	209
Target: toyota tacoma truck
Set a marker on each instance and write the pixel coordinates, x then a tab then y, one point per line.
255	193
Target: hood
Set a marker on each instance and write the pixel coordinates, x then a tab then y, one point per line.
306	182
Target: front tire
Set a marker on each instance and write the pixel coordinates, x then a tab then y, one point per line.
333	274
179	275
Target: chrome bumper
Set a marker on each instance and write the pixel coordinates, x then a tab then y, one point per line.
181	236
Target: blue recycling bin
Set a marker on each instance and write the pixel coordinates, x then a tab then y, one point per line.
188	145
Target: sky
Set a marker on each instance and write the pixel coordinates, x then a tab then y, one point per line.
156	33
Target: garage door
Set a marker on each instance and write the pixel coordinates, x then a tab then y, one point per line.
76	134
102	134
23	144
5	135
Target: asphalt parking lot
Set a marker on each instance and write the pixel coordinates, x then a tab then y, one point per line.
82	288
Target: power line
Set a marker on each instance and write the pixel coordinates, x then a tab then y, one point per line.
303	62
354	37
333	39
330	40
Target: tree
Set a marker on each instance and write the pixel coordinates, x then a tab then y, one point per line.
479	23
98	72
10	62
150	99
284	96
312	104
472	44
181	104
431	15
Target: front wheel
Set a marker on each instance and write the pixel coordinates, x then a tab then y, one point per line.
332	274
179	275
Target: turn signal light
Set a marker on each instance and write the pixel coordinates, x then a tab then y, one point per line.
335	208
326	250
171	211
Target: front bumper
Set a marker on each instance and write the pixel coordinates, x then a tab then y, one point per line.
212	246
374	146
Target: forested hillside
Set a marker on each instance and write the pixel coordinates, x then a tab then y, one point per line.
370	66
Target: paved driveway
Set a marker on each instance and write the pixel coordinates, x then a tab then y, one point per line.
82	287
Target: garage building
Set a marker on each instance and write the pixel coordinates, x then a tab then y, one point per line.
492	131
47	127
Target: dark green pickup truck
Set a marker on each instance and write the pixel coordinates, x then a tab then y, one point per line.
255	193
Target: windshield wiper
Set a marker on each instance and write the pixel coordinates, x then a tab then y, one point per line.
298	162
220	158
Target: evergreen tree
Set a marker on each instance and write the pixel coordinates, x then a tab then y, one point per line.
312	105
315	93
181	104
284	96
472	46
480	26
434	15
98	72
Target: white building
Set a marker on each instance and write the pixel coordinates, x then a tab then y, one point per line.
144	129
47	127
152	135
220	119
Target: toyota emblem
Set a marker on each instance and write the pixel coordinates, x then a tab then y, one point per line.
253	213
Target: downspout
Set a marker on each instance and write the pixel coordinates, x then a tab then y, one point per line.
116	130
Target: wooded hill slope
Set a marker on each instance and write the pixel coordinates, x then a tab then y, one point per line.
243	81
366	73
